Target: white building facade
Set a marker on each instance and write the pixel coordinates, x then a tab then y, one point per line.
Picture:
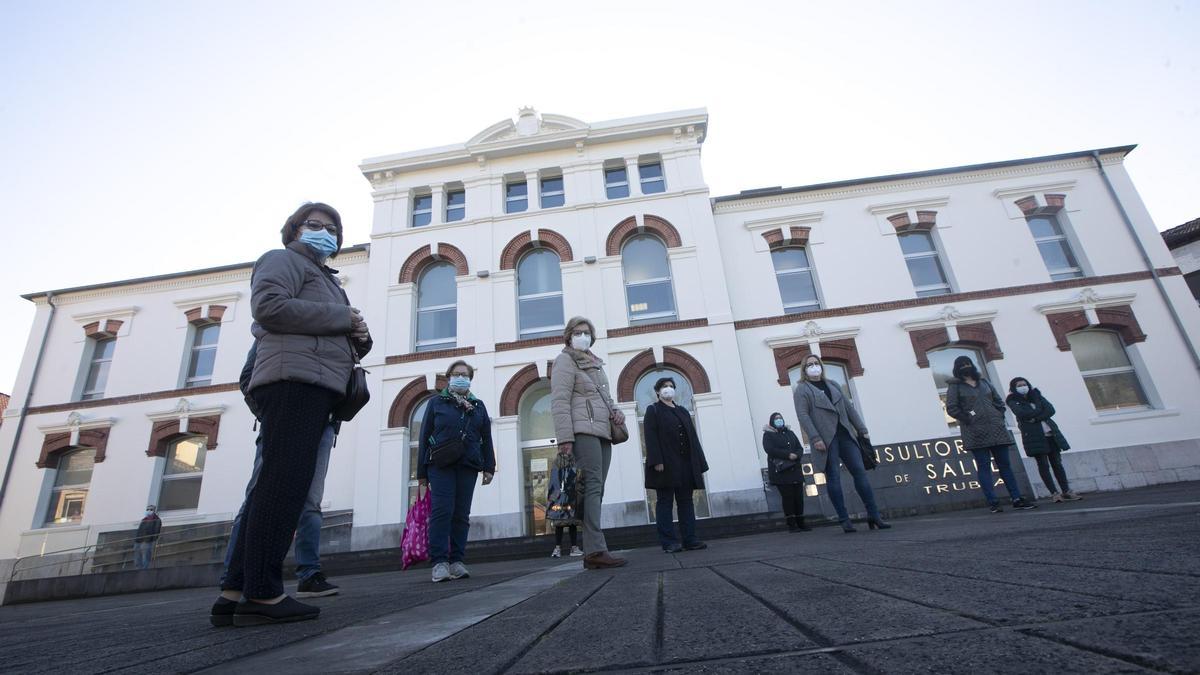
481	251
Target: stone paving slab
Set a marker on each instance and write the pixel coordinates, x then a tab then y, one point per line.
1166	641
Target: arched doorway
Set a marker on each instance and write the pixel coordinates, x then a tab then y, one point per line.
643	395
539	449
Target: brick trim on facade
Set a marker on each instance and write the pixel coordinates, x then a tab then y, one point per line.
745	324
1029	205
523	243
925	340
529	342
196	317
518	384
844	352
628	228
1120	319
407	400
421	258
797	237
657	327
166	432
135	398
430	356
926	220
673	358
980	335
54	446
111	326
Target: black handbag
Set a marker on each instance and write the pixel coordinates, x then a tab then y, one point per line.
783	465
868	454
357	393
450	451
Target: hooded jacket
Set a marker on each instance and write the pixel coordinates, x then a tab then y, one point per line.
778	444
980	413
1032	412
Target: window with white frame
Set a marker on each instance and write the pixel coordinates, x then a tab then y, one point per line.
539	294
650	174
552	191
414	445
182	474
649	295
72	480
456	204
1053	245
941	365
1107	372
616	181
516	195
793	273
924	264
538	454
203	355
437	308
422	210
643	394
99	362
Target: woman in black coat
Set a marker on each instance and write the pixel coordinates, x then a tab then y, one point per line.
783	469
1041	437
675	466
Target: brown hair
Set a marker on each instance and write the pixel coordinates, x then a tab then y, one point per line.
288	231
573	324
804	366
460	362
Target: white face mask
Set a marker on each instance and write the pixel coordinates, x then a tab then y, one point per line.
1022	390
149	513
667	393
581	342
814	371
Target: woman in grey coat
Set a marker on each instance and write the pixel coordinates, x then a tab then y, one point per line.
305	329
973	401
583	412
834	426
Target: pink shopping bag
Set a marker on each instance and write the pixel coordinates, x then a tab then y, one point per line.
414	543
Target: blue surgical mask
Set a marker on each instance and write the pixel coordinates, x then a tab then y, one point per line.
460	384
778	423
322	242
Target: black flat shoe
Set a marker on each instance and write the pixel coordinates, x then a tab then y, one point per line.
877	524
674	548
848	527
287	610
801	527
222	612
696	546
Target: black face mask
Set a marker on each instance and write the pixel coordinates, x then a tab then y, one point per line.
967	371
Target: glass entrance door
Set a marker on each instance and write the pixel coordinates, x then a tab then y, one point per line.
537	462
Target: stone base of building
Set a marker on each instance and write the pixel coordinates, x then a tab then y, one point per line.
1125	467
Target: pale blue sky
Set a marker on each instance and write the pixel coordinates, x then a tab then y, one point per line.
141	138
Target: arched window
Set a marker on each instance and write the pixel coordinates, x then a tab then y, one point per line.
414	442
437	308
538	453
793	273
1111	379
182	474
643	394
539	294
924	264
648	291
69	493
941	365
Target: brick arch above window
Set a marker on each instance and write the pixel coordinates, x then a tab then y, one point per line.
166	432
197	315
1120	319
97	332
421	258
409	398
980	335
926	220
523	243
675	359
1030	207
628	228
797	238
55	446
522	381
844	352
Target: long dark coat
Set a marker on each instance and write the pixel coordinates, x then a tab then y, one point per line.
980	413
1032	410
778	444
662	449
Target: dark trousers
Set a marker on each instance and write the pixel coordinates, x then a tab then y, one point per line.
1052	460
574	535
295	416
983	466
682	497
452	489
793	499
846	449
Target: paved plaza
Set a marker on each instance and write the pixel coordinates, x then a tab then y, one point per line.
1110	584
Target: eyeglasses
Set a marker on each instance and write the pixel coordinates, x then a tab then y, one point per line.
317	226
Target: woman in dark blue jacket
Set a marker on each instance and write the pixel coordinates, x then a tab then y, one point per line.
1041	436
450	468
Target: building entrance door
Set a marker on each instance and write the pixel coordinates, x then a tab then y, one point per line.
537	463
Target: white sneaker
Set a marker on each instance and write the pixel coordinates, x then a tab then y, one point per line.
576	552
441	572
557	552
458	571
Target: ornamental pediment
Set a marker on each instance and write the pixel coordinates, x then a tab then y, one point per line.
529	123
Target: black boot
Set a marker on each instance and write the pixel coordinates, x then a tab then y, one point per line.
791	521
800	526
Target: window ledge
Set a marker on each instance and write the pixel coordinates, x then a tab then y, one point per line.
1108	418
51	527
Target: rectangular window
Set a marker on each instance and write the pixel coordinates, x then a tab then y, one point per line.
652	178
924	266
456	205
552	192
516	196
182	475
793	272
72	479
204	354
422	213
616	182
98	366
1053	245
1107	372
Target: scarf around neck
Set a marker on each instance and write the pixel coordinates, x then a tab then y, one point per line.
467	403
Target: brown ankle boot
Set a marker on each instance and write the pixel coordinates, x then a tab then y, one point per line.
601	560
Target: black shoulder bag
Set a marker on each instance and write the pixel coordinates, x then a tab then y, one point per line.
448	452
357	393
